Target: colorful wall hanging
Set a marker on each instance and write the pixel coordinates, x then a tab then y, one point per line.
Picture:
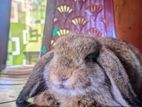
80	16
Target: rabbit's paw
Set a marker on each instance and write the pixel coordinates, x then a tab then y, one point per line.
45	99
87	103
80	102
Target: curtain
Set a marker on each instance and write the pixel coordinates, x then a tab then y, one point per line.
4	30
80	16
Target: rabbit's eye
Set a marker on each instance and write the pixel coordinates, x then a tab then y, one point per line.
92	57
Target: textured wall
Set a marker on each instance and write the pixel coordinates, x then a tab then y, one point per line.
128	17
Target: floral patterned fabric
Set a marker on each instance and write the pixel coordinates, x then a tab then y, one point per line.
82	16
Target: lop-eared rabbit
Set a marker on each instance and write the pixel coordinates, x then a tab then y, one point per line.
83	71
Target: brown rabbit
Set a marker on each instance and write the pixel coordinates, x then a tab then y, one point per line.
106	71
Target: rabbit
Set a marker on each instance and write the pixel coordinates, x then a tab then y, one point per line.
106	71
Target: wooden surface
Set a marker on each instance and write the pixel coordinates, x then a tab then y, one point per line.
11	82
128	18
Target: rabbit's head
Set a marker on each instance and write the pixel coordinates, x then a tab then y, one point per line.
82	66
73	63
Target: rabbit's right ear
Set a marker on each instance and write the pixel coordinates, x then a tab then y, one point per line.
36	83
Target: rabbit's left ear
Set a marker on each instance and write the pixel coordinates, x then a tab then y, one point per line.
114	70
130	58
36	83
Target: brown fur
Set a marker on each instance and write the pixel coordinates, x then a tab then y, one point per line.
86	80
131	59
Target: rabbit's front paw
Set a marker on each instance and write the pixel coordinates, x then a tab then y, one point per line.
79	102
86	103
45	99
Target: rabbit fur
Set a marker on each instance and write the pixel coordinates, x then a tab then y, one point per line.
83	71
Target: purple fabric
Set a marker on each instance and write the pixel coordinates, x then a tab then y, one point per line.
83	16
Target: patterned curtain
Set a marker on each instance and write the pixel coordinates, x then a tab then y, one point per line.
80	16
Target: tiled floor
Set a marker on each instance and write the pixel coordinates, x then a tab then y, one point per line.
11	82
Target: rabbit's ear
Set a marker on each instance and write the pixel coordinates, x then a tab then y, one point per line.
114	70
131	59
35	83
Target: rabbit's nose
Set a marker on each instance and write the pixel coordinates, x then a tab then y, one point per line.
63	80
